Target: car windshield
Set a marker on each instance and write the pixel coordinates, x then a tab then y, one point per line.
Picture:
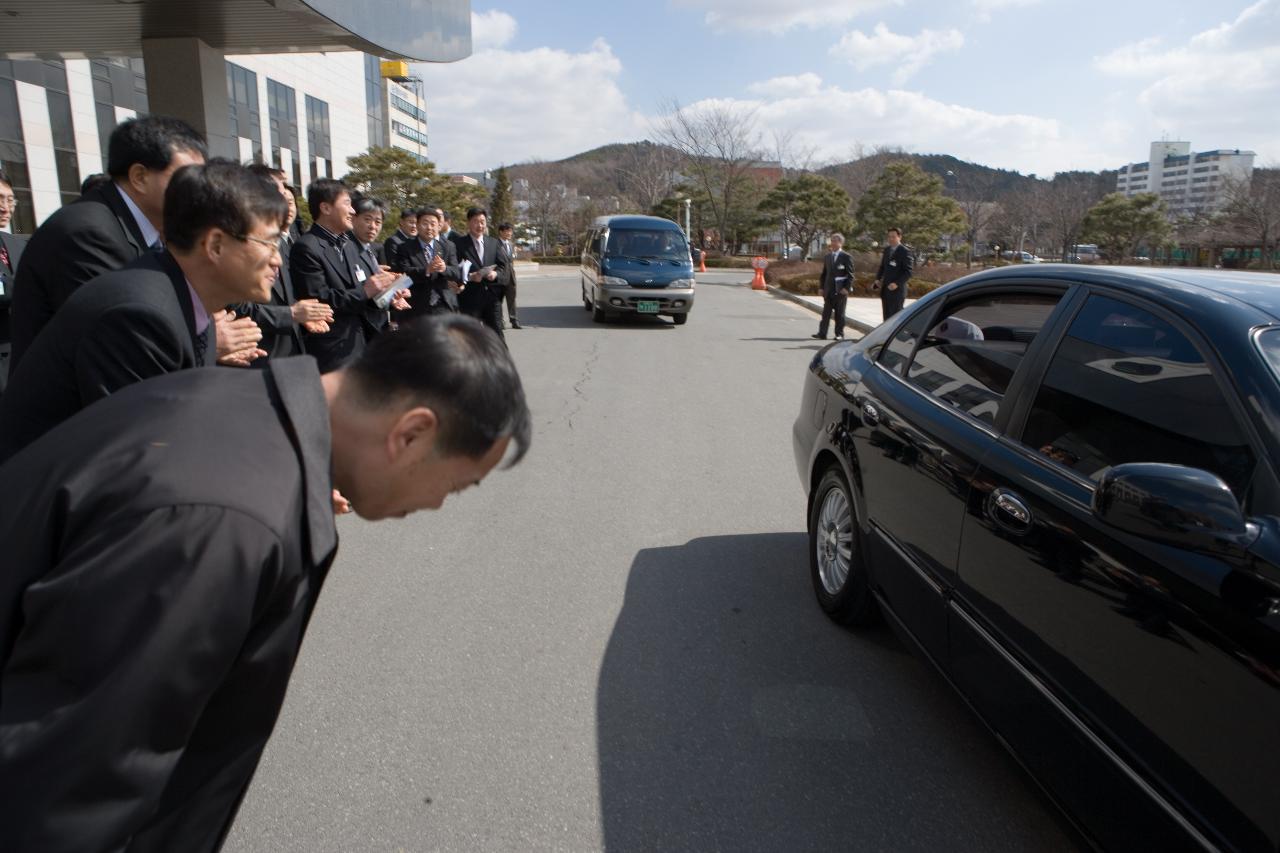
647	243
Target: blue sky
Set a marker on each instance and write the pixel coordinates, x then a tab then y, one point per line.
1034	85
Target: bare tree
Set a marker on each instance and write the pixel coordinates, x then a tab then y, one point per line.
719	146
647	174
975	194
1067	199
544	197
1253	210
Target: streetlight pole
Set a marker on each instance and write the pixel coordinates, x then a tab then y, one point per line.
688	231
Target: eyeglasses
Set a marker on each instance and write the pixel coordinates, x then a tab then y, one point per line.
273	244
9	202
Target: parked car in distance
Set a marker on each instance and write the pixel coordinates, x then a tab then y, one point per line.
1060	485
1021	257
637	265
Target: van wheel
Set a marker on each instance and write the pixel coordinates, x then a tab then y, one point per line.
597	313
836	564
679	319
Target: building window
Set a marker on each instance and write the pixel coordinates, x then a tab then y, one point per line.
410	133
242	98
282	115
63	131
317	129
116	83
407	108
376	112
13	153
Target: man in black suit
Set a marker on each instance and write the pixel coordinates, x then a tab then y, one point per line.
11	246
366	225
486	276
164	550
835	280
283	319
110	225
325	265
894	274
222	232
506	234
404	233
432	264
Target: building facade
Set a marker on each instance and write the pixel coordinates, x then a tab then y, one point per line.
304	112
1190	183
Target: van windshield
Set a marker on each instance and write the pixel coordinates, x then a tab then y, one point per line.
647	243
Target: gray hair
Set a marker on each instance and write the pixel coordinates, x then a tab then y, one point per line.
838	236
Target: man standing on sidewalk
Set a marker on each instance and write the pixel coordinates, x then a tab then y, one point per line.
506	235
895	272
835	280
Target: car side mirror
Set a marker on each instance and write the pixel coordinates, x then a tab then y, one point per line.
1173	504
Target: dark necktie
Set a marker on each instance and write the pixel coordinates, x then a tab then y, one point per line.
4	256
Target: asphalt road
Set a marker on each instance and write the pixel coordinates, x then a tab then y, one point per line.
615	644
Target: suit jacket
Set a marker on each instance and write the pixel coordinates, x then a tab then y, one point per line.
429	289
162	556
79	242
281	336
476	294
370	260
392	247
132	324
837	273
511	263
895	267
326	271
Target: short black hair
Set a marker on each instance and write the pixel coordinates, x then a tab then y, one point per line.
93	182
427	211
218	194
506	226
893	229
151	141
368	204
473	212
410	213
324	191
455	365
263	170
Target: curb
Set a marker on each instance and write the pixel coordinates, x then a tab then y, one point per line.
800	300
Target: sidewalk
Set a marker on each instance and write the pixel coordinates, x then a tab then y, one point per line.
861	313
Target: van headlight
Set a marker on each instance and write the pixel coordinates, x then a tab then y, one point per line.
682	282
613	281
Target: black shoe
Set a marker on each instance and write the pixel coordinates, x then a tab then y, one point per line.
515	324
839	336
819	337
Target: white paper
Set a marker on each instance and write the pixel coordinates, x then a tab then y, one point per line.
466	269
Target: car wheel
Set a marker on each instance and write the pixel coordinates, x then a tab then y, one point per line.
679	319
597	314
835	553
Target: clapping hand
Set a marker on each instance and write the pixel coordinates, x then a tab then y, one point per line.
237	339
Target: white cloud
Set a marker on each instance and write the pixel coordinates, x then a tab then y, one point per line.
510	106
771	16
492	29
986	8
1217	90
916	123
907	53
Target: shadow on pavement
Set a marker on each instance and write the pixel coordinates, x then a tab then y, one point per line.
577	317
732	715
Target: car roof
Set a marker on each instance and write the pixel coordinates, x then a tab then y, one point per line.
636	221
1258	290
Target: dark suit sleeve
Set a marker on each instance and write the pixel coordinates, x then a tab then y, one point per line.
275	318
72	259
127	345
104	686
884	261
907	266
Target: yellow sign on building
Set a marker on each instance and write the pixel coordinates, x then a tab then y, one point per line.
395	69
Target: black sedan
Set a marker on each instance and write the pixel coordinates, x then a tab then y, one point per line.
1060	485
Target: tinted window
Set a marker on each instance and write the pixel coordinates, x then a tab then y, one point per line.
1125	386
647	243
896	355
968	357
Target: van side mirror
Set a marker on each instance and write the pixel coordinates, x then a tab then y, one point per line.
1173	504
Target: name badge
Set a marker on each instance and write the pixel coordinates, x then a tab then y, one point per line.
893	263
360	276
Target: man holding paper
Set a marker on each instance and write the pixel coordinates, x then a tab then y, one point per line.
484	270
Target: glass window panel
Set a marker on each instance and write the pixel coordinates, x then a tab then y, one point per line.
10	121
64	134
896	355
68	171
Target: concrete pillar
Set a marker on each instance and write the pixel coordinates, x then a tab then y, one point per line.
187	79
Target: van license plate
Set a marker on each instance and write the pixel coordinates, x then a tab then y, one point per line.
647	307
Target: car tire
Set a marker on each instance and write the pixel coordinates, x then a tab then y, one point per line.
598	315
836	564
679	319
586	303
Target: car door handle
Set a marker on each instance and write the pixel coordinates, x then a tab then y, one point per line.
870	414
1009	511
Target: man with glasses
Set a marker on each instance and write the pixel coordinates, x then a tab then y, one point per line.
11	246
155	316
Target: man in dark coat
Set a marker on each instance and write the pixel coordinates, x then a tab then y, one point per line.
325	265
164	550
404	233
432	264
108	227
894	274
835	280
366	225
486	277
284	317
11	246
506	234
222	224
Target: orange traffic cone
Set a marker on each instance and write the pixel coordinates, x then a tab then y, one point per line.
702	262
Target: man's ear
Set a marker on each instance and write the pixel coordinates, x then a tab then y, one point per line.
212	243
414	432
138	177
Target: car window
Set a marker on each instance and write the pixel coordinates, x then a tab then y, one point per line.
1125	386
969	355
898	352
